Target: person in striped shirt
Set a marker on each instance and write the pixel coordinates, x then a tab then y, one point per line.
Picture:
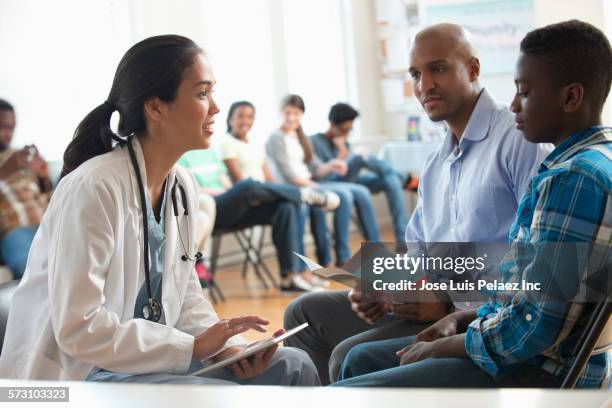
562	79
25	189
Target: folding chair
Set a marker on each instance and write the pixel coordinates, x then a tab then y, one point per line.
595	339
250	246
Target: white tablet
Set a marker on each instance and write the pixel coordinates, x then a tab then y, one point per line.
251	349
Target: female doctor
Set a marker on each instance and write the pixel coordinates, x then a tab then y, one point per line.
110	291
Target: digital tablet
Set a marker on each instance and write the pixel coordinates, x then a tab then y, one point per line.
251	349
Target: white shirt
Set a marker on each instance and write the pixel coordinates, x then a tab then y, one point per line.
250	157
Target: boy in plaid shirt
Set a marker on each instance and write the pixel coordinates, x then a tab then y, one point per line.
563	78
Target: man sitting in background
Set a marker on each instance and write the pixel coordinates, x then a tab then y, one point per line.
24	194
333	144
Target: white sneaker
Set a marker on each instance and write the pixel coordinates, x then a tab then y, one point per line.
318	282
296	283
327	200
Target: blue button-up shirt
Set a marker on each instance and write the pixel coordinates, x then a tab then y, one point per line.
470	190
570	200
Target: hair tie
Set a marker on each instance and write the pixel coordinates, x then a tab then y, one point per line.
110	105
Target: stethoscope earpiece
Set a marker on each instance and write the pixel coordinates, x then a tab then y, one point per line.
196	257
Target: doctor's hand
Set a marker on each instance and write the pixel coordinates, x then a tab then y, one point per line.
370	312
256	364
214	338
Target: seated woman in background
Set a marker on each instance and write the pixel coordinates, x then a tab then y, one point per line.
248	203
110	292
293	161
247	160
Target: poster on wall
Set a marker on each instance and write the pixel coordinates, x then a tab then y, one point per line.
497	27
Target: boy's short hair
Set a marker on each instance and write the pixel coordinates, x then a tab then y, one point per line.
6	106
341	112
575	51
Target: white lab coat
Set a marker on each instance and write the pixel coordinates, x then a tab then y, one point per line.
75	305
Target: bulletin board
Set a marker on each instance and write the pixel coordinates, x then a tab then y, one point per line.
497	27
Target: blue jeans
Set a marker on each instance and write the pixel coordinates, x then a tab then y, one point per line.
250	203
318	228
350	194
15	247
375	364
381	177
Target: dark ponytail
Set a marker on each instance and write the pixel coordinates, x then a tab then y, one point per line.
296	101
153	67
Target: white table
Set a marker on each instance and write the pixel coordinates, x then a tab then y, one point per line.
92	395
405	156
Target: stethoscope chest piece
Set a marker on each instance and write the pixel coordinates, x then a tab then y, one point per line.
152	310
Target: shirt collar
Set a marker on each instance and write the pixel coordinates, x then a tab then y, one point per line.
478	124
575	143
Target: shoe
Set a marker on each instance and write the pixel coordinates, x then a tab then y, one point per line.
202	271
411	183
295	283
327	200
319	282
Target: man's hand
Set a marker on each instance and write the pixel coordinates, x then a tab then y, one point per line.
16	162
421	312
444	327
338	166
453	346
256	364
38	165
450	325
370	312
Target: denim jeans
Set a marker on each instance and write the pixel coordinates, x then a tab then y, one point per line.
15	247
375	364
250	203
381	177
318	229
351	195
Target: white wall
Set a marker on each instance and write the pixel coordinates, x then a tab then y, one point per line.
59	57
545	12
43	46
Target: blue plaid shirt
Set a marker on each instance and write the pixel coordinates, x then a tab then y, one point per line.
569	200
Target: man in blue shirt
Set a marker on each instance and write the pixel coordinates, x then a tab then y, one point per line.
379	177
563	78
469	192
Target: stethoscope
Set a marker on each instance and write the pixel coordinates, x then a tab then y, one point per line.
152	309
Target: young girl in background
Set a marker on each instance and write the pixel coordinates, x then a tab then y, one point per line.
293	161
246	160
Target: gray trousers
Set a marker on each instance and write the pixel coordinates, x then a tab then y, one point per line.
334	329
288	366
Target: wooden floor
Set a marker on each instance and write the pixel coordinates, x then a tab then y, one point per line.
247	296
